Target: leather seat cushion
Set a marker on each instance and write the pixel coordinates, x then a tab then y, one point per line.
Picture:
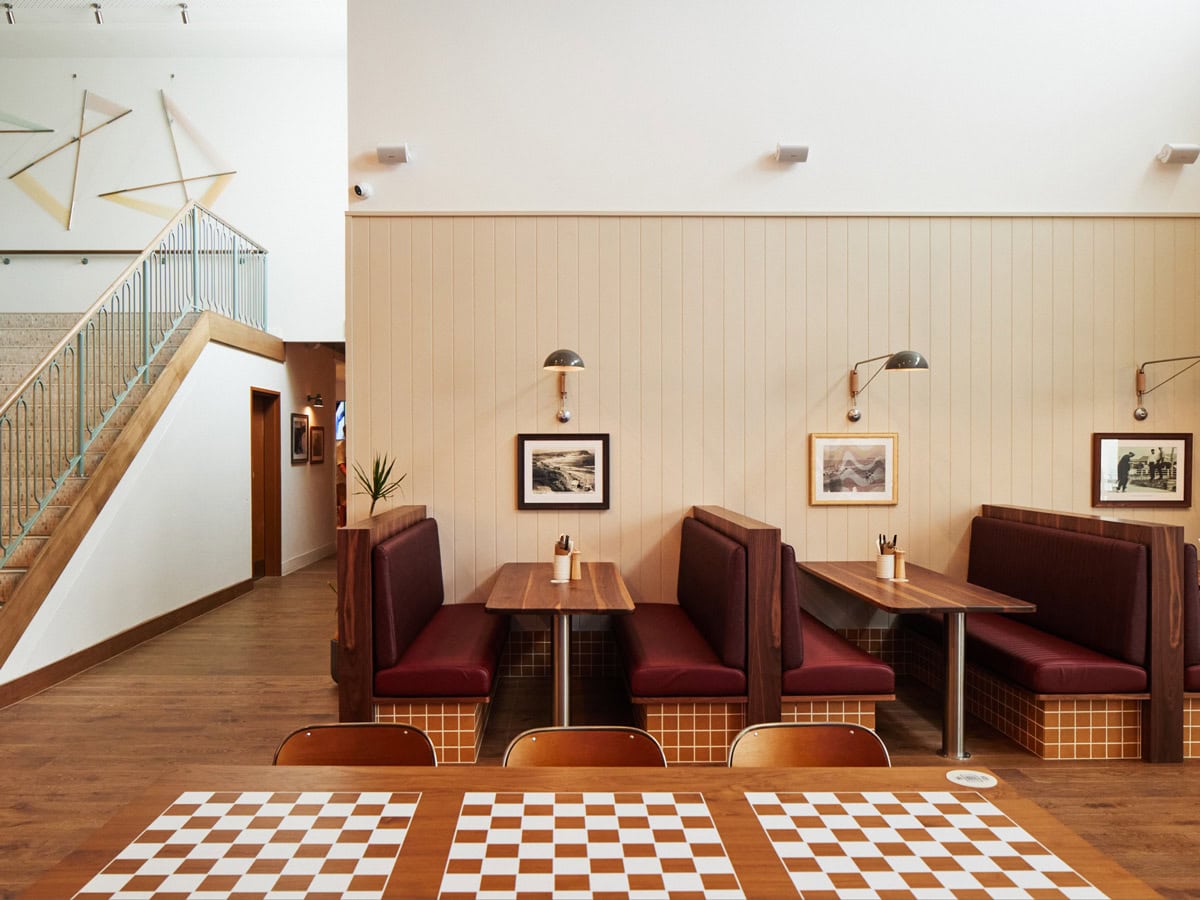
665	655
712	589
1089	590
1040	662
832	665
456	654
406	584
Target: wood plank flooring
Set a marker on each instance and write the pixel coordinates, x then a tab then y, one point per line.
227	686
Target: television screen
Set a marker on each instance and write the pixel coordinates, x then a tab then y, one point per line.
339	421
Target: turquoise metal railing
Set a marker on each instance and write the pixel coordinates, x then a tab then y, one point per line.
198	262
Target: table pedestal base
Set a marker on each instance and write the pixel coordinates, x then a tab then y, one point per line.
953	721
560	635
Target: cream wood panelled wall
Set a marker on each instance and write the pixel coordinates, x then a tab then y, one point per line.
716	344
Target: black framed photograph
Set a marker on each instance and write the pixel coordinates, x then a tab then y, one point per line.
316	444
1142	470
299	438
562	471
852	469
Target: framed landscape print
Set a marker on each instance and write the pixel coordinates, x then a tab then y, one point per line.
299	438
1142	470
562	471
852	469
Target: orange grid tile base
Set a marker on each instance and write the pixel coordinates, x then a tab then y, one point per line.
856	712
455	728
1070	727
692	731
527	654
1191	726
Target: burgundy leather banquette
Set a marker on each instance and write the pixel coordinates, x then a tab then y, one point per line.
424	648
698	647
816	659
1191	621
1088	635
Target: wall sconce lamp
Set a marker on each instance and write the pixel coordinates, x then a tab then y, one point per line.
8	14
1181	154
1140	413
183	14
96	11
315	400
562	362
900	361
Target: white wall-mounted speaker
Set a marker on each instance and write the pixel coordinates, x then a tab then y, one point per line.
791	153
1183	154
393	155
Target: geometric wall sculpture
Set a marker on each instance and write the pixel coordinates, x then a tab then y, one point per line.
94	106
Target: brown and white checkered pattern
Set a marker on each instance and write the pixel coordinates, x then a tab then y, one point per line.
932	844
260	844
587	845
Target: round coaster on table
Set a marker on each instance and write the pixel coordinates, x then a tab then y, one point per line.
971	778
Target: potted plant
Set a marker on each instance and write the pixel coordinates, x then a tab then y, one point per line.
378	484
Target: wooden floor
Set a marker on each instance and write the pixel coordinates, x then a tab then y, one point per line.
227	686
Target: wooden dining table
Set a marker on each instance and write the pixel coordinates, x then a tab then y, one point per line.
475	831
528	588
926	591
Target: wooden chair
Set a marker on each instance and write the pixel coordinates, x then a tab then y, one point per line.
356	744
585	745
783	744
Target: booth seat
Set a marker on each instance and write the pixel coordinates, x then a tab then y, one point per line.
432	665
1191	654
1076	666
685	664
825	677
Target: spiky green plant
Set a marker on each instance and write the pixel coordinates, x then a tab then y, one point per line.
379	485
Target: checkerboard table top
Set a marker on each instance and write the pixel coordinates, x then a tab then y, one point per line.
479	831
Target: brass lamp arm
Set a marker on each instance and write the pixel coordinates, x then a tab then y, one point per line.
1140	413
855	390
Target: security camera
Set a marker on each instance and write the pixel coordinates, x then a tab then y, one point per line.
363	190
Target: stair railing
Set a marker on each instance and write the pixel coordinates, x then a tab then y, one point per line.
197	262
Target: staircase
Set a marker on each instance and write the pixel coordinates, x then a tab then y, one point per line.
79	393
25	339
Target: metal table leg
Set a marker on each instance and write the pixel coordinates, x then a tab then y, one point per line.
561	650
953	721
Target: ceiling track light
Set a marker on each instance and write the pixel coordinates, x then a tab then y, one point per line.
8	14
183	14
96	11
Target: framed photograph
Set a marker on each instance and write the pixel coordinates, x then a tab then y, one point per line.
299	438
562	471
852	470
1142	470
316	444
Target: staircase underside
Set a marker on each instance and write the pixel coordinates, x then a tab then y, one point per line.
57	539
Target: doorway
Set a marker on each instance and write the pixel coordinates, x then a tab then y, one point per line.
266	553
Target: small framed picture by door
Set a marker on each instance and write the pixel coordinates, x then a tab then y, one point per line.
316	444
299	438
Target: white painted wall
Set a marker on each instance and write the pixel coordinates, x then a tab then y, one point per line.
278	121
177	528
676	105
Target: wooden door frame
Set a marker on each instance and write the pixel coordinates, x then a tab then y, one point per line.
272	488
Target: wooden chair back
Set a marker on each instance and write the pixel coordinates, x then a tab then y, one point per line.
784	744
356	744
584	745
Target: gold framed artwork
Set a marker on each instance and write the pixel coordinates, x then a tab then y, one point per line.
852	469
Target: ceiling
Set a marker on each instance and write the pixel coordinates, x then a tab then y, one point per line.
153	28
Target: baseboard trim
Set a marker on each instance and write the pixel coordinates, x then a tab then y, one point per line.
296	563
46	677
